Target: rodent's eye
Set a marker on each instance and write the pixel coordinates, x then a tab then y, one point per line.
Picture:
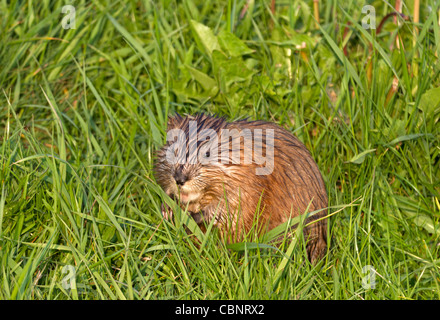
207	154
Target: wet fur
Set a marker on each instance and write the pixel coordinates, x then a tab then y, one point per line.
233	194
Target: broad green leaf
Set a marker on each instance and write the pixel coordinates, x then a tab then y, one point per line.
422	221
231	69
203	79
426	223
408	137
233	45
358	159
430	102
205	36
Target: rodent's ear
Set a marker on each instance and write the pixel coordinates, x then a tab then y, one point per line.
174	121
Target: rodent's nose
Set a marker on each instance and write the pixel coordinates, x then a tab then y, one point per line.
180	178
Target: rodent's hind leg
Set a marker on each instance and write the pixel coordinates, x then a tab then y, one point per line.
316	239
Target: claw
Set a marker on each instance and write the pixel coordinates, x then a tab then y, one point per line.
167	213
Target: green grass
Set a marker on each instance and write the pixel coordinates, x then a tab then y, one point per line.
82	110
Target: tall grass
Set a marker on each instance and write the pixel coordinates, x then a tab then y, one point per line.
82	111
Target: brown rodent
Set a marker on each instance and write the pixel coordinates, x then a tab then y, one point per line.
242	171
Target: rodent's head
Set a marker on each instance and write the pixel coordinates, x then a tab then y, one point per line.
184	167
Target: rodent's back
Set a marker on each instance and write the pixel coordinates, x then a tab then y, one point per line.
295	184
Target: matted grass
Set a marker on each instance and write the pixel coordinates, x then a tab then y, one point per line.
83	109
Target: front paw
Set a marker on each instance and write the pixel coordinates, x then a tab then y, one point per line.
167	213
